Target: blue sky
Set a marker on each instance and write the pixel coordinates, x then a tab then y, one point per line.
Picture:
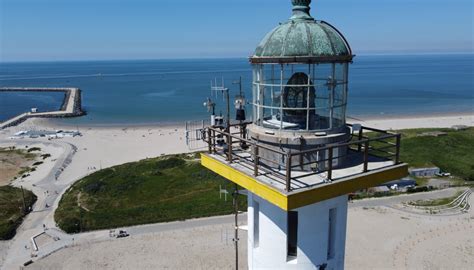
52	30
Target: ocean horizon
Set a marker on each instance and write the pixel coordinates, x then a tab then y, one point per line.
141	92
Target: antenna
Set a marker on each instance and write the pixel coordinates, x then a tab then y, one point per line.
223	191
225	94
194	134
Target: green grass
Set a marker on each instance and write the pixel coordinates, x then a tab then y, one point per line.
452	153
149	191
11	210
178	187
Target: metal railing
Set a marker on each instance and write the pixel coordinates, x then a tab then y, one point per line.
365	145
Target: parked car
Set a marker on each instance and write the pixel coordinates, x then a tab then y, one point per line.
122	234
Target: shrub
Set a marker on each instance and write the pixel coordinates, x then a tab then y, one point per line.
169	163
93	187
70	224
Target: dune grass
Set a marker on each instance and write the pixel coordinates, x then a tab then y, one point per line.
452	153
149	191
177	187
11	210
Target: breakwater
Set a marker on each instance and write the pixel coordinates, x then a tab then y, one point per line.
71	105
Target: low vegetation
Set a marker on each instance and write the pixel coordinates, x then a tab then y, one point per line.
12	209
34	149
149	191
178	187
435	202
14	163
45	156
20	152
37	163
452	152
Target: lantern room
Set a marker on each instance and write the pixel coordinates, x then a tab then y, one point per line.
300	76
300	85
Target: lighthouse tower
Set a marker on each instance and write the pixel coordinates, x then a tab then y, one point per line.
301	158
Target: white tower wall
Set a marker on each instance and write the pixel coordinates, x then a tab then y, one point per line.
267	235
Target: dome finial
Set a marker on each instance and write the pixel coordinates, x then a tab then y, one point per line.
301	10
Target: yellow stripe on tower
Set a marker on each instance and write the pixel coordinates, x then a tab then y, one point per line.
250	183
308	196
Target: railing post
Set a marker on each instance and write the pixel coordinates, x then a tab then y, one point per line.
209	140
229	148
360	138
255	160
330	154
214	141
397	153
366	156
288	172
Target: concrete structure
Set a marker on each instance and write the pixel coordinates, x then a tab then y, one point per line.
302	158
460	127
424	172
71	107
320	236
45	133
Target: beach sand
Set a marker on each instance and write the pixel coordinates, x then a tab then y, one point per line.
435	121
198	248
377	238
384	238
75	158
4	245
102	147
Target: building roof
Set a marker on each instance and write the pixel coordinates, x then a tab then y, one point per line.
380	189
423	169
303	39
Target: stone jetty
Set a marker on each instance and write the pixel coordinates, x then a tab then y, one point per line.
71	106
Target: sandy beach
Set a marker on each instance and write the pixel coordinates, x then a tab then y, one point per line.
384	238
435	121
102	147
72	159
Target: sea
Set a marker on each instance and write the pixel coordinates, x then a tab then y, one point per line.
144	92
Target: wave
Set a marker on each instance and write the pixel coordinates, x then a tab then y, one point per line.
99	75
160	94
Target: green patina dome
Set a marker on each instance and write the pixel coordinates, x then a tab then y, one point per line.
303	39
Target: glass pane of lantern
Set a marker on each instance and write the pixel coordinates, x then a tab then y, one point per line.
339	72
322	118
339	95
323	71
271	96
322	98
294	119
338	117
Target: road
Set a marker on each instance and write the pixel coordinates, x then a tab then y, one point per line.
387	201
48	191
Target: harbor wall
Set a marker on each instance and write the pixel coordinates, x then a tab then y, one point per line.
70	107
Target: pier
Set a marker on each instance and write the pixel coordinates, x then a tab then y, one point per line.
71	106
